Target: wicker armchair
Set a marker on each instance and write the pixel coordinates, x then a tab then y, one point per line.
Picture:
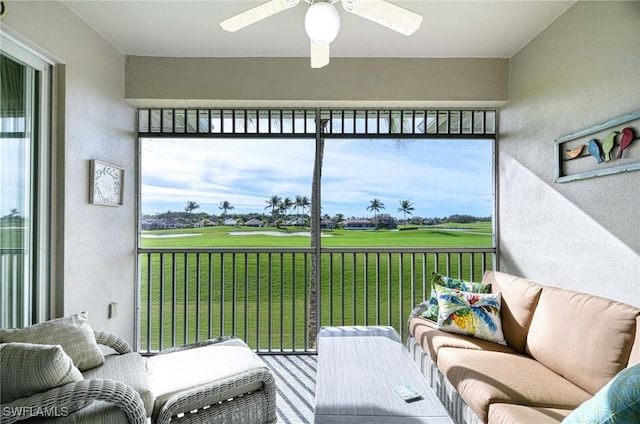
220	381
67	403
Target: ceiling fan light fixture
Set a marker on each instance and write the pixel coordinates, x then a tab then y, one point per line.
322	22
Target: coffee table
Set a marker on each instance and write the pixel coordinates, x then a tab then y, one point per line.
358	367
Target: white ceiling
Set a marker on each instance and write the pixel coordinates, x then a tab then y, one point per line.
185	28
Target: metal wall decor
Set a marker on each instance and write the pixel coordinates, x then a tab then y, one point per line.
107	184
608	148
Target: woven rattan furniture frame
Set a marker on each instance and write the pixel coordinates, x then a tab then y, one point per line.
202	404
70	396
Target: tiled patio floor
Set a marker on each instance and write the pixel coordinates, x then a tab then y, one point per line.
296	382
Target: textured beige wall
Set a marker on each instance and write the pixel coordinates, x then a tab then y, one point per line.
96	247
581	71
154	81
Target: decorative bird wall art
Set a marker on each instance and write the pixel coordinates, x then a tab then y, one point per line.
625	140
594	150
574	153
602	151
607	145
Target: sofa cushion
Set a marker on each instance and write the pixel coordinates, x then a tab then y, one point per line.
473	314
179	371
33	368
507	413
635	350
437	279
483	378
73	333
129	368
426	333
519	300
617	402
593	334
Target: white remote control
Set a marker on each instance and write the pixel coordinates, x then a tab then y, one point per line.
407	393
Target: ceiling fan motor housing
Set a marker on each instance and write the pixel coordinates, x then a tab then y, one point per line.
322	22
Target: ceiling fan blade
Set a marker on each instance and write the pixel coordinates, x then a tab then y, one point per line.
384	13
319	55
256	14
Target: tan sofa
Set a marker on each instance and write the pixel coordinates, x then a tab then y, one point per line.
562	347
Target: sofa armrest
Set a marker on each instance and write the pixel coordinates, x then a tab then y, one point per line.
66	399
114	342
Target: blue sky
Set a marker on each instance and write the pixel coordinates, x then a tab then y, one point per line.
440	177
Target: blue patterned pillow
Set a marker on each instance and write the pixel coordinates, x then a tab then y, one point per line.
451	283
472	314
617	402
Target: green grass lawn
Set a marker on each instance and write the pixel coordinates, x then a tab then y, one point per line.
262	297
455	235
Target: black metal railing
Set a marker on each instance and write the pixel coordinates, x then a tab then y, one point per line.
300	123
263	295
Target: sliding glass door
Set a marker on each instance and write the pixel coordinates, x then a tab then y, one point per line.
24	186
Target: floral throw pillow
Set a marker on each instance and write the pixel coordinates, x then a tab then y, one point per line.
452	283
472	314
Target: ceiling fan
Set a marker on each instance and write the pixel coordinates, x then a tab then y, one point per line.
322	21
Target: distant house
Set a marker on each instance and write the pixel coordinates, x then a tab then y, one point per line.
327	223
358	224
230	222
160	224
299	222
150	224
198	224
254	222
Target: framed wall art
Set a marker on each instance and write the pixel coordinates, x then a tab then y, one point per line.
604	149
107	184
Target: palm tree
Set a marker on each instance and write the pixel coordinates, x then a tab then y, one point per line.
312	326
191	206
375	206
305	203
284	205
225	206
298	205
273	203
406	207
302	202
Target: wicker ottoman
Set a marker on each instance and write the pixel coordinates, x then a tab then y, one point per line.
222	382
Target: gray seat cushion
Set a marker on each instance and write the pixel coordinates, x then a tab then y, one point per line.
73	333
130	369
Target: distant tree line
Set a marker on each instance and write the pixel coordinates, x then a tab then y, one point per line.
277	213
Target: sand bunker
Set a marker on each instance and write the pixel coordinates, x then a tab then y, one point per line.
170	235
274	233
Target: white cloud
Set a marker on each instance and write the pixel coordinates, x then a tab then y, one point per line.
440	177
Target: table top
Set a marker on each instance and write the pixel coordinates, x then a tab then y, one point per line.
358	367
